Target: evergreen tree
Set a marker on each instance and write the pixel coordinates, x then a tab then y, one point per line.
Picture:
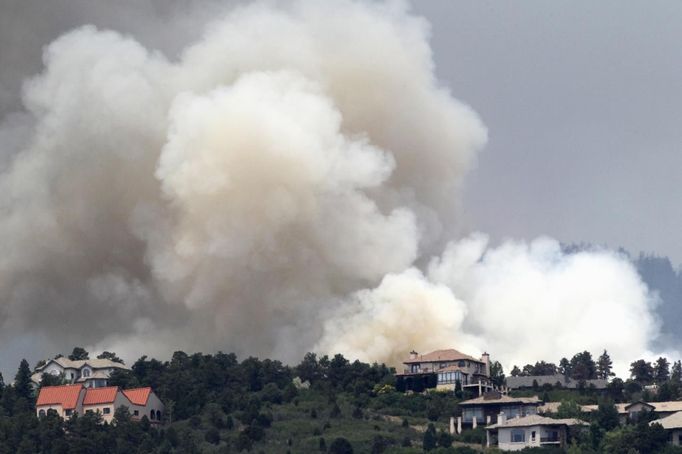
429	442
22	381
110	356
515	372
340	446
79	353
496	373
642	372
676	376
661	370
582	366
564	367
604	366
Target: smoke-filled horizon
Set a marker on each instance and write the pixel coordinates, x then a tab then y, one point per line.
291	182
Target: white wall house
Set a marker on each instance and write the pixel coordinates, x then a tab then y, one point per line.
519	433
67	400
93	373
673	425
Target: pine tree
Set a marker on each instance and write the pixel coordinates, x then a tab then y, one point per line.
564	367
661	370
429	442
676	376
515	372
79	353
604	366
22	381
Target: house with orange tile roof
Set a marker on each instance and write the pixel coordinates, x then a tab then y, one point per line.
65	400
145	403
444	369
68	400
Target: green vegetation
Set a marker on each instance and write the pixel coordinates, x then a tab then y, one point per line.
217	404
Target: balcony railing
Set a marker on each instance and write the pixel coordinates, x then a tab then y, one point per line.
550	439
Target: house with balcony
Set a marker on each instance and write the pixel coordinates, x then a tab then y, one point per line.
444	370
530	431
484	410
67	400
92	373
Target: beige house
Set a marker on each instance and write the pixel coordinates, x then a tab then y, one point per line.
68	400
673	425
485	409
631	411
530	431
92	373
447	367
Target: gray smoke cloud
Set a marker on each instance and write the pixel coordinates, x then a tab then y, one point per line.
279	186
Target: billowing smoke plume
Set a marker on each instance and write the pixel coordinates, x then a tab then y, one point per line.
274	190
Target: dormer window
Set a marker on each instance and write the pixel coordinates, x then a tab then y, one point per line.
86	372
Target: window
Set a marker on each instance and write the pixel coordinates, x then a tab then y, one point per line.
41	413
136	413
518	436
532	436
468	414
69	412
151	415
158	415
86	372
106	410
461	363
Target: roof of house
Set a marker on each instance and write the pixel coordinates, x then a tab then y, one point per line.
566	382
96	396
65	395
673	421
658	407
449	354
66	363
487	399
537	420
138	396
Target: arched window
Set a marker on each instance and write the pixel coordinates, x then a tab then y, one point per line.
158	415
86	372
151	415
41	413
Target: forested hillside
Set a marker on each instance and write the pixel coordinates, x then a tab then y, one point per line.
215	403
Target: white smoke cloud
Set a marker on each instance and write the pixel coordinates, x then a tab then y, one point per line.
524	303
246	196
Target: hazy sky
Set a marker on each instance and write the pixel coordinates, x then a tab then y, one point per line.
583	101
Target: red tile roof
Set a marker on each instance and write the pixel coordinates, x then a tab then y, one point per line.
95	396
138	396
66	396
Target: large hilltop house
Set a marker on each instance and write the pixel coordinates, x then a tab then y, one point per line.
68	400
92	373
443	370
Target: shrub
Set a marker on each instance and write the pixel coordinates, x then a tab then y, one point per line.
340	446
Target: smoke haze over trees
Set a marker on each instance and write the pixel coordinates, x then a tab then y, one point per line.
287	178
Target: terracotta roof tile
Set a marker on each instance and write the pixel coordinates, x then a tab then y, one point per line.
95	396
66	396
138	396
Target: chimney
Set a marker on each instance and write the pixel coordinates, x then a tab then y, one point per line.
486	360
501	418
413	354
